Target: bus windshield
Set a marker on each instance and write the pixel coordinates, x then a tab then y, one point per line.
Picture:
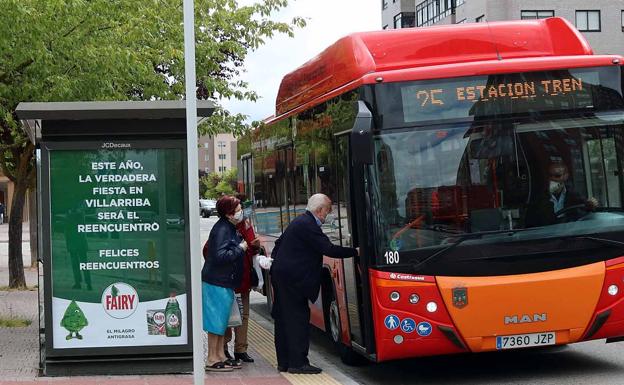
507	165
556	177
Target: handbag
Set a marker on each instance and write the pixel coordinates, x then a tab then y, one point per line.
258	284
236	311
254	278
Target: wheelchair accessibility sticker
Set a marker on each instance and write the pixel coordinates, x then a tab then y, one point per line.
424	329
391	322
408	325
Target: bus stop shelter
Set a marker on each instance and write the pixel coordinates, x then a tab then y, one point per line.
113	235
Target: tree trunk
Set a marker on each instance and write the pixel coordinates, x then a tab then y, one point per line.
33	220
17	280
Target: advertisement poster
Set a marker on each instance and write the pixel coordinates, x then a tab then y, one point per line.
118	247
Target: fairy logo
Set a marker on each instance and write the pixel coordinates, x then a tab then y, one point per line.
120	300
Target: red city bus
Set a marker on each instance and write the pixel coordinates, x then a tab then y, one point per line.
479	167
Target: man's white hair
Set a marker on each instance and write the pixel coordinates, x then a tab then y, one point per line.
317	201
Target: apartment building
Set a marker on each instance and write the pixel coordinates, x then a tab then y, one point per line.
600	21
217	153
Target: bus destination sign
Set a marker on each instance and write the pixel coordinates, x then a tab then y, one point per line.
494	92
502	94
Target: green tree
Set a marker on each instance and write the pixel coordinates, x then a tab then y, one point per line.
70	50
219	184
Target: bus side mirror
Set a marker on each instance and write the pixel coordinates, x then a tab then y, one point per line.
362	136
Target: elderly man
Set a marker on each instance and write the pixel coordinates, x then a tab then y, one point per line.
296	279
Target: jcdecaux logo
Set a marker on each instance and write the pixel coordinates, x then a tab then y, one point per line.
120	300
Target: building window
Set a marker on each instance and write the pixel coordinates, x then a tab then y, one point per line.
622	18
384	4
221	156
397	21
588	21
206	157
206	145
529	15
480	19
404	20
430	12
222	168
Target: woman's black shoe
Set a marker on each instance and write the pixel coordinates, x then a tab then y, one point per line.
234	364
243	357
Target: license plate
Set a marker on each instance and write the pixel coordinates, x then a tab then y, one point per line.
525	340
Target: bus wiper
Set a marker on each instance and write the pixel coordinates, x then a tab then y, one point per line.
463	238
605	209
604	241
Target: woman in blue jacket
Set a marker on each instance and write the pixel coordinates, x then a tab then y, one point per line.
221	274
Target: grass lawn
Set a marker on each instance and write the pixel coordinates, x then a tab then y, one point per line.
13	322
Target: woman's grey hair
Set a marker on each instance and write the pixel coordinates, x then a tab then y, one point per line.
317	201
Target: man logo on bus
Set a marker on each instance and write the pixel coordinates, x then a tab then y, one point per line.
460	297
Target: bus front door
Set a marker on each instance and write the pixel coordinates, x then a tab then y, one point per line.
346	217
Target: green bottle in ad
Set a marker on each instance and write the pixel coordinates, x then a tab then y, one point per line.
173	318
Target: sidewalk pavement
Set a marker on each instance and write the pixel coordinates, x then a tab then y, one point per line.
4	248
19	348
4	232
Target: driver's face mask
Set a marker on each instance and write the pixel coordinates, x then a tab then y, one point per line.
555	187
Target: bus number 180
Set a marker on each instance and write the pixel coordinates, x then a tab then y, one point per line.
392	257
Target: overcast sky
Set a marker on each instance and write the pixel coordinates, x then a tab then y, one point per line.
328	20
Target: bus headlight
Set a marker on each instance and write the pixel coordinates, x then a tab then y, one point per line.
612	290
394	296
432	307
414	298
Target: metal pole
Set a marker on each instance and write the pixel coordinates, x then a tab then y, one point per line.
193	188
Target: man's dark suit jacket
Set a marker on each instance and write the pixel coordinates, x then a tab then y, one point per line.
541	212
298	255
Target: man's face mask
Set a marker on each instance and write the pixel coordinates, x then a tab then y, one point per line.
555	187
326	211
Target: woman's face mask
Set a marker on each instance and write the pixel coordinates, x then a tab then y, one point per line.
238	216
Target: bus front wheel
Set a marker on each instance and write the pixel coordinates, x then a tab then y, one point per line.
333	328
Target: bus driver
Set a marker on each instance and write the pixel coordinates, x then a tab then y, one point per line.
556	197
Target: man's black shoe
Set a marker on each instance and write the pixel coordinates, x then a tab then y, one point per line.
282	369
243	357
305	369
